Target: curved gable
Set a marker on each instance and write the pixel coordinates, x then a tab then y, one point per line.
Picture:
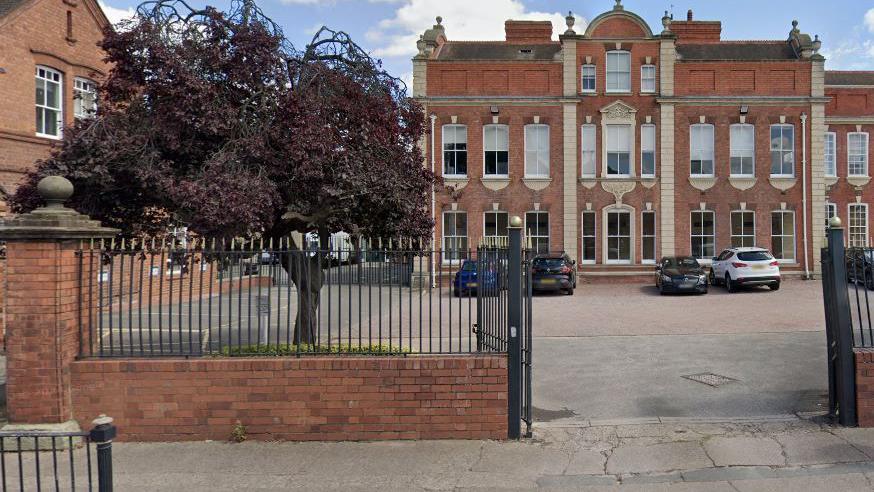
618	24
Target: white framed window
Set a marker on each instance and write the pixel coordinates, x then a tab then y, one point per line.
454	150
455	246
647	78
618	236
701	149
496	150
857	220
648	237
49	102
589	152
831	210
618	71
742	158
537	151
618	150
857	154
783	235
84	98
495	228
589	237
588	78
647	150
830	146
703	234
743	229
782	150
537	231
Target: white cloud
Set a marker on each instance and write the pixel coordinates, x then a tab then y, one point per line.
869	20
465	20
115	14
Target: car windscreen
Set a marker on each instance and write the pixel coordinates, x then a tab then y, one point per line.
548	262
754	256
684	262
469	266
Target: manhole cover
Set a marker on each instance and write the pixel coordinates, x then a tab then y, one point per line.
710	379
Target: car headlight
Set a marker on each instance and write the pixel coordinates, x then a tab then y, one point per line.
666	279
702	279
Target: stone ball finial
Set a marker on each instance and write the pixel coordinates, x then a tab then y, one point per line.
834	222
55	190
516	221
439	20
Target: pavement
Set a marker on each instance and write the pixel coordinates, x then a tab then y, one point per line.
694	455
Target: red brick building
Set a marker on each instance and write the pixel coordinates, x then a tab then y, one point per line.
49	65
618	145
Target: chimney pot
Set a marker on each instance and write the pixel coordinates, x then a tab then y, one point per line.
689	15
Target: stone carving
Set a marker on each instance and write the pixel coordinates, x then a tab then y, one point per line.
618	111
537	184
742	183
782	184
618	187
495	184
702	183
858	181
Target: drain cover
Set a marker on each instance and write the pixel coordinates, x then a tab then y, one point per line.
710	379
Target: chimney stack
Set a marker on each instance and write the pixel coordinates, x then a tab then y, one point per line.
689	16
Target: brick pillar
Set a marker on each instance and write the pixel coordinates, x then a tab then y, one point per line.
42	305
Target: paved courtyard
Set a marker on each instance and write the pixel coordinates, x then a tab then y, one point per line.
621	351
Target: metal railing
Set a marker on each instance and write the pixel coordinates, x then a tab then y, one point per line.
45	460
236	300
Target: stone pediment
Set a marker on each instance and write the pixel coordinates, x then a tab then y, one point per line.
618	110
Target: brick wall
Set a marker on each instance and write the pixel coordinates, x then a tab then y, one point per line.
451	397
865	386
36	34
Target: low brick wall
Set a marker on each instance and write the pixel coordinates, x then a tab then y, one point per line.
865	386
323	398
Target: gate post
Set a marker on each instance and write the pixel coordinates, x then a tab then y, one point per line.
843	334
514	330
43	313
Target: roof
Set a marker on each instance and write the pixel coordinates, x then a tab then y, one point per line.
849	78
7	6
742	51
467	50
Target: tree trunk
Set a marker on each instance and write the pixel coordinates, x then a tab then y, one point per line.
307	275
306	270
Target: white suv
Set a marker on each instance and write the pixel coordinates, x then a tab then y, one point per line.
745	266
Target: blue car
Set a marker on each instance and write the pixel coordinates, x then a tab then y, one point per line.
467	279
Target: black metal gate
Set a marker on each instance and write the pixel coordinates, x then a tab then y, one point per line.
504	319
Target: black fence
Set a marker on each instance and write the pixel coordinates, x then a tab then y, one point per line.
234	301
43	460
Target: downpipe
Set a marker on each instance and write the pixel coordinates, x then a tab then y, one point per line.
433	208
804	192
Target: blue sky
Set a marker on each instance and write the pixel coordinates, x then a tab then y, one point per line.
389	28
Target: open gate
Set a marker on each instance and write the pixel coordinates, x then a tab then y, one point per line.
504	319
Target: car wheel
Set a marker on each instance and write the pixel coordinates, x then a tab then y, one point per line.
456	292
729	285
661	290
774	286
570	291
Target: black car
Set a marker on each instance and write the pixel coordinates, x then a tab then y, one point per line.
680	274
860	267
554	273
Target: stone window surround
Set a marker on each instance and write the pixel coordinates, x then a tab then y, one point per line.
632	224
